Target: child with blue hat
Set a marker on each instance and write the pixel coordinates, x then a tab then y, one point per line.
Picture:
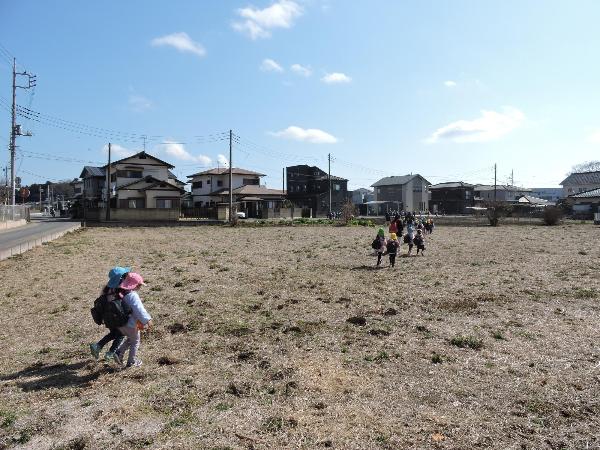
111	290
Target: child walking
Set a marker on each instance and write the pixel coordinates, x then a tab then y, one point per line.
138	320
110	292
409	236
420	242
379	245
392	248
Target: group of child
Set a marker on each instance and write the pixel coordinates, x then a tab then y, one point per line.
390	246
121	310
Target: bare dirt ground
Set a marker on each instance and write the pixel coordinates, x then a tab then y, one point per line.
489	341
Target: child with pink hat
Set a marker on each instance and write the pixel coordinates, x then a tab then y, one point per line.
139	319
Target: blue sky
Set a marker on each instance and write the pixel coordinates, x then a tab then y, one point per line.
441	88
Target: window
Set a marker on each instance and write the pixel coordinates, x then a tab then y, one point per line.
250	181
132	203
336	187
129	174
208	181
167	203
219	183
197	185
304	188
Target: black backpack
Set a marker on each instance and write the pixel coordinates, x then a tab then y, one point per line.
116	313
98	309
376	244
391	246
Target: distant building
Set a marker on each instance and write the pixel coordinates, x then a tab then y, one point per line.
308	188
362	195
580	182
451	198
408	192
207	185
503	193
550	194
585	203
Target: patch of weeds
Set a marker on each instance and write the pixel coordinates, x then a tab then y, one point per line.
423	329
381	356
156	288
60	309
498	335
23	438
223	406
7	419
467	342
234	329
275	424
86	403
436	358
223	269
583	293
582	252
45	350
179	284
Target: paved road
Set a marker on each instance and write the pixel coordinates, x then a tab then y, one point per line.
40	229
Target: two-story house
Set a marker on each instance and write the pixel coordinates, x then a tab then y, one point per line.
308	189
208	185
407	192
451	198
580	182
94	180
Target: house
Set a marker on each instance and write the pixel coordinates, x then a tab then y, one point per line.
308	188
362	195
207	185
451	198
580	182
144	181
586	203
255	201
500	192
94	180
142	187
550	194
77	185
407	192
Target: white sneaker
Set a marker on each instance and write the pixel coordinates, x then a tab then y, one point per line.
136	363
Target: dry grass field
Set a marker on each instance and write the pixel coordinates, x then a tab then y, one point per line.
492	340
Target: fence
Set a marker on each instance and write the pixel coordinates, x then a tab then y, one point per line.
17	212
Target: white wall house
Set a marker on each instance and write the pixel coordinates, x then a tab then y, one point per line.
207	185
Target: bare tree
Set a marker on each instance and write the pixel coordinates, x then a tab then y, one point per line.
588	166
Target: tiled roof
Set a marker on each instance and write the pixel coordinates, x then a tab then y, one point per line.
455	184
93	171
391	181
582	178
225	170
532	200
250	189
587	194
142	154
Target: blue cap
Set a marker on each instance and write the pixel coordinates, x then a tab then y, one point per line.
115	275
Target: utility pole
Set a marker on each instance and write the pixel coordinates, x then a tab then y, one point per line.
329	179
230	176
282	181
512	177
40	186
83	203
108	186
16	129
495	187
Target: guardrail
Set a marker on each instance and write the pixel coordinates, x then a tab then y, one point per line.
12	213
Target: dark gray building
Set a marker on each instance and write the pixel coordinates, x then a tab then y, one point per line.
308	188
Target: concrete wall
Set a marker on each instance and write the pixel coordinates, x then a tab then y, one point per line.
203	194
140	215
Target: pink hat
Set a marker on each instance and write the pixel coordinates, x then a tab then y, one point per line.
131	281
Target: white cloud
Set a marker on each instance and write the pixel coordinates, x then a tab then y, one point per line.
450	83
594	138
180	41
269	65
336	77
139	103
301	70
257	23
178	151
490	126
312	135
117	151
222	160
